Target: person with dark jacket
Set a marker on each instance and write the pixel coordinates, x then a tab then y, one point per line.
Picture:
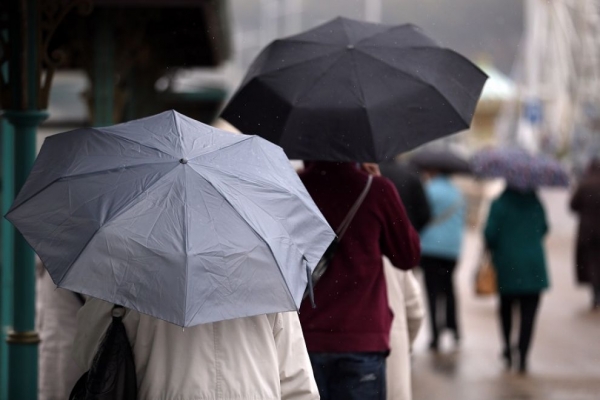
348	333
586	203
411	191
514	234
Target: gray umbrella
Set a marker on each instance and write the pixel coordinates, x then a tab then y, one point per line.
173	218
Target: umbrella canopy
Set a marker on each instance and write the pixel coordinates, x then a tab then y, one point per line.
443	161
520	169
355	91
172	218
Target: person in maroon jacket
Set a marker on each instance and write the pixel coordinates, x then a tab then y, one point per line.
347	334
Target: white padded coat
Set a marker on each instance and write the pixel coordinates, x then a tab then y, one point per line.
253	358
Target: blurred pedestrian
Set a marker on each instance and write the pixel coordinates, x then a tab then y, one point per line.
262	357
410	188
586	203
56	323
441	242
348	333
406	302
516	227
404	292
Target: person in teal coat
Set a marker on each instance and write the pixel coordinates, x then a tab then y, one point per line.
514	234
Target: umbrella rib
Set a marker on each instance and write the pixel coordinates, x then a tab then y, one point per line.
364	101
254	230
343	22
71	177
394	27
178	129
107	132
302	95
187	244
424	82
378	34
309	42
116	215
245	137
298	64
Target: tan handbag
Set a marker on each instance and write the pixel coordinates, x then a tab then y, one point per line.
485	277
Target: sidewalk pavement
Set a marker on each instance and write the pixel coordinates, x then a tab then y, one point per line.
564	361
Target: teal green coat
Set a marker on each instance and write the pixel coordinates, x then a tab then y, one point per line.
514	234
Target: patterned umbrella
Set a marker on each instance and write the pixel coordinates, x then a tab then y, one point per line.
520	169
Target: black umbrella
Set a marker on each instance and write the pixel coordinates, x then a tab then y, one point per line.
443	161
355	91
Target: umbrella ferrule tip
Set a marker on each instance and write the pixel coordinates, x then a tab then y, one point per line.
183	161
350	47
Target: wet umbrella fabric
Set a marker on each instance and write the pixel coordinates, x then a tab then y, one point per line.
521	170
172	218
444	161
355	91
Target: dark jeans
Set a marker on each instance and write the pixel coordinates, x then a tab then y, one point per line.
439	273
349	376
528	304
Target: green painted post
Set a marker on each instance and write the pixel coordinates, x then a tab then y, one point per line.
7	234
23	339
25	116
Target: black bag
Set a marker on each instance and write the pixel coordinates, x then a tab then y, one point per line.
323	263
112	375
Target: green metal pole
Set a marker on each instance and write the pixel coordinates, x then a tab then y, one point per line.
7	234
23	339
25	117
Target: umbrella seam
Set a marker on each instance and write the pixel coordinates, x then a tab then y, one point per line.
394	27
107	132
178	129
300	63
302	95
291	39
117	214
424	82
379	33
273	184
187	244
218	238
345	28
257	234
250	201
364	103
247	137
453	53
77	176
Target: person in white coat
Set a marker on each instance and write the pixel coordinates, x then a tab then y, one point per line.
253	358
406	301
56	323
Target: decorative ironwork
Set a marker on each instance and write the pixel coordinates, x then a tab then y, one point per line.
52	14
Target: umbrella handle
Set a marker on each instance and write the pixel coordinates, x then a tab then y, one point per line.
311	293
